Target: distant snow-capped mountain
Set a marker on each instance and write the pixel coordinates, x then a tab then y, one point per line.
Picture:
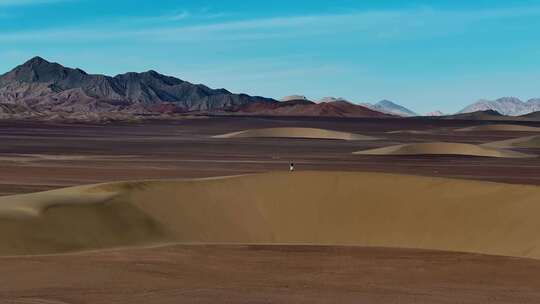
435	113
383	106
294	97
389	107
332	99
507	106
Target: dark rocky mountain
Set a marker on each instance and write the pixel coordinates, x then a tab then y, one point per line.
39	88
535	116
478	115
44	85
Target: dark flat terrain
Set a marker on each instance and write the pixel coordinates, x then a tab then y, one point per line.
39	156
269	274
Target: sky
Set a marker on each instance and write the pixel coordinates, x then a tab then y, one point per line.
425	55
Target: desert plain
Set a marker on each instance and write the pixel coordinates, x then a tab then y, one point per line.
205	210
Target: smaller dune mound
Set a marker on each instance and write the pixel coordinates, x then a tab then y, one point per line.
295	133
408	132
443	148
500	127
521	142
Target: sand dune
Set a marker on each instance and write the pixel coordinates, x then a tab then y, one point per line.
521	142
296	133
501	127
443	148
365	209
408	132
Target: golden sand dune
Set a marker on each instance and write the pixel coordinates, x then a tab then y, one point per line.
443	148
408	132
500	127
296	133
367	209
522	142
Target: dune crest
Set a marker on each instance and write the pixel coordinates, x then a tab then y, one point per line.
33	205
521	142
409	132
367	209
291	132
500	127
443	148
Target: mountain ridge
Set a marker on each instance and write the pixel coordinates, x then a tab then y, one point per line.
390	107
510	106
44	89
41	79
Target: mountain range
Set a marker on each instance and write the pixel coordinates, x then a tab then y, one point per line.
389	107
435	113
40	84
384	106
305	107
510	106
42	89
39	88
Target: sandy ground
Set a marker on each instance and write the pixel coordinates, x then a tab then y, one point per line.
269	274
444	148
497	219
43	156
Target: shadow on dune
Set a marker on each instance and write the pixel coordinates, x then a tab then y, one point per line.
324	208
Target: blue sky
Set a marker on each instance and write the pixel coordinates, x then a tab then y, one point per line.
426	55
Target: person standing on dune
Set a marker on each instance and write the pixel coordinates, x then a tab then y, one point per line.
291	167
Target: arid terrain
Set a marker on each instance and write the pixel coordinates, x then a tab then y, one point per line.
269	274
165	152
41	156
334	231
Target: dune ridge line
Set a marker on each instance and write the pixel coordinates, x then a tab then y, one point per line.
294	132
521	142
500	127
444	148
324	208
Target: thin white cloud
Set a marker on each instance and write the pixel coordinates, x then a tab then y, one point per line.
177	16
27	2
399	24
170	19
254	29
